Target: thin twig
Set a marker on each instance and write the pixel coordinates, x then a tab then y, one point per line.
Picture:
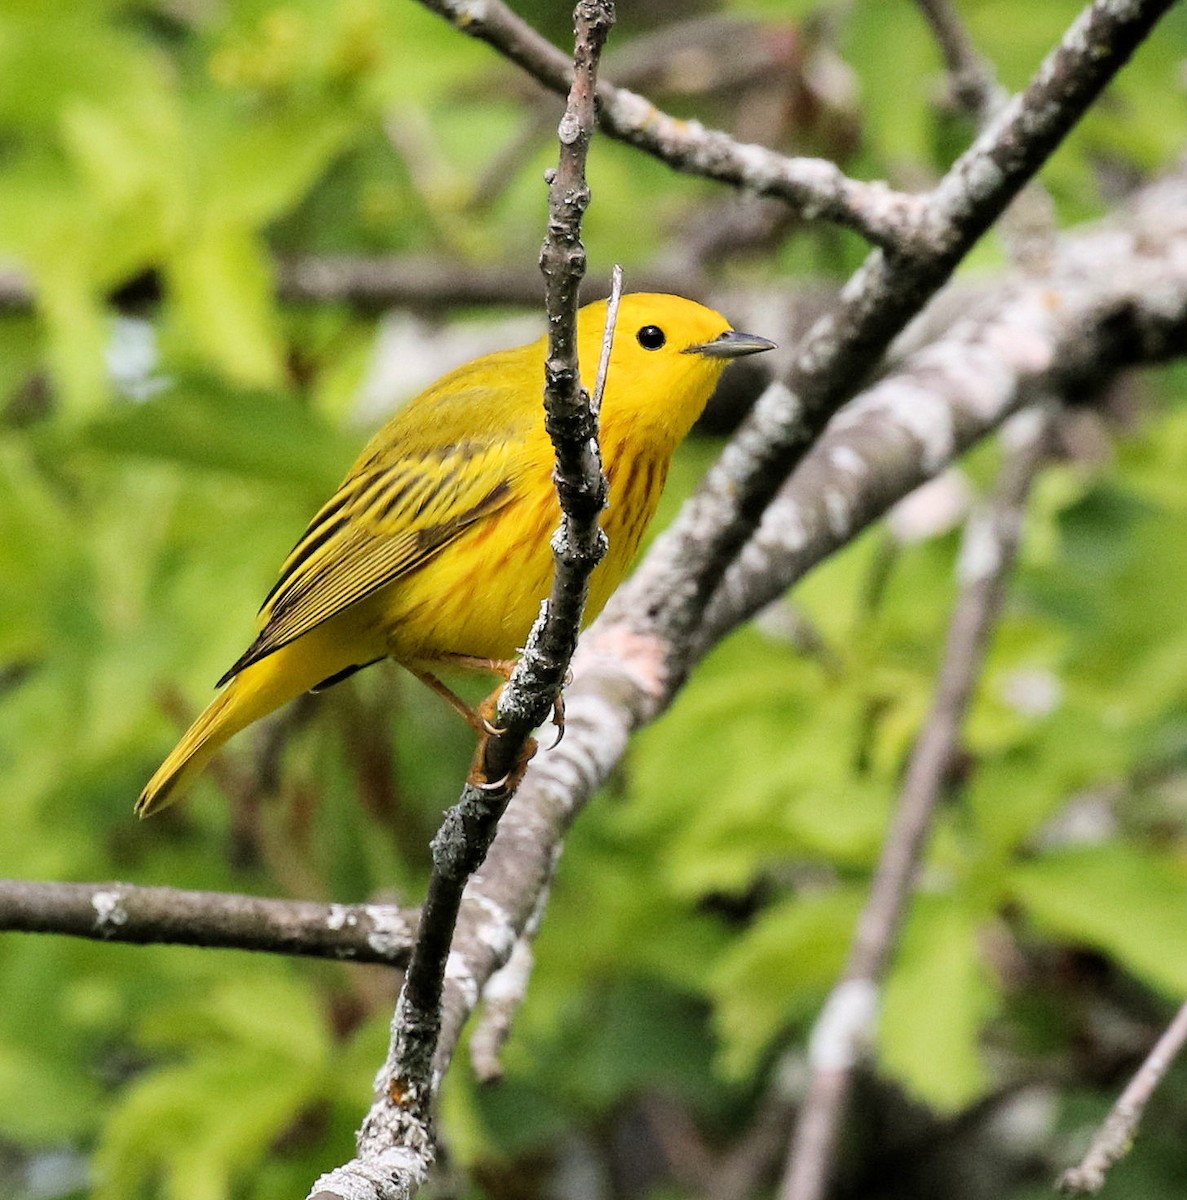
814	187
503	997
1028	228
395	1144
612	305
505	992
847	1021
971	78
123	912
1115	1137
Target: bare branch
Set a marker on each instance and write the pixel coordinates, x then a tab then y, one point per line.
502	998
973	84
1121	298
395	1144
687	562
814	187
1115	1137
847	1021
1120	288
123	912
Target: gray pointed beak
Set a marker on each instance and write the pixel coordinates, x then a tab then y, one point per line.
732	344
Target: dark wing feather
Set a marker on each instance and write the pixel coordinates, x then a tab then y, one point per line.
384	522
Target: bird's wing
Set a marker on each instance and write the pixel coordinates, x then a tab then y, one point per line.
390	516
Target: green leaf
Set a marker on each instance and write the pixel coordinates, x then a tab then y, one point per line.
256	1054
256	435
1127	903
42	1101
779	971
937	997
222	285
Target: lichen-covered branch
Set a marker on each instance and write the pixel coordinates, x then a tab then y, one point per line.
1114	298
123	912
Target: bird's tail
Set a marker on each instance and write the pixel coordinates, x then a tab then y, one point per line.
201	742
250	695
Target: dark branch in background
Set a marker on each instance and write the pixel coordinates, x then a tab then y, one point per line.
816	188
395	1144
377	283
1116	1135
122	912
846	1025
372	283
972	82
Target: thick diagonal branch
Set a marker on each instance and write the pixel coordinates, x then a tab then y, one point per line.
1118	297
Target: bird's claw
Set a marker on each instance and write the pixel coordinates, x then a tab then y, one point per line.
558	719
477	777
487	785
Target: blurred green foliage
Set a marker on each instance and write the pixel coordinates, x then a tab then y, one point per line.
157	459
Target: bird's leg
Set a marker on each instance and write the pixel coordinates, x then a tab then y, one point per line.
483	718
471	662
480	719
502	666
459	706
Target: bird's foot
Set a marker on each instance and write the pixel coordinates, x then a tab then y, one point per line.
489	731
479	776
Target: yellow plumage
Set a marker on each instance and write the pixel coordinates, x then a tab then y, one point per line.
436	545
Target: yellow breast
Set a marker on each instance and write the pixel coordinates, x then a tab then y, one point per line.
480	595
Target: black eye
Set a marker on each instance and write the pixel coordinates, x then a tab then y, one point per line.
651	337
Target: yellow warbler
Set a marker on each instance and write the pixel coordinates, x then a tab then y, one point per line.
435	549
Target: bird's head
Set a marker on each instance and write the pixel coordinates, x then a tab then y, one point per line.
667	356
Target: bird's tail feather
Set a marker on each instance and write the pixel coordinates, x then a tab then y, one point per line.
200	743
254	692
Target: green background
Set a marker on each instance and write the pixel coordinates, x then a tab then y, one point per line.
159	455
